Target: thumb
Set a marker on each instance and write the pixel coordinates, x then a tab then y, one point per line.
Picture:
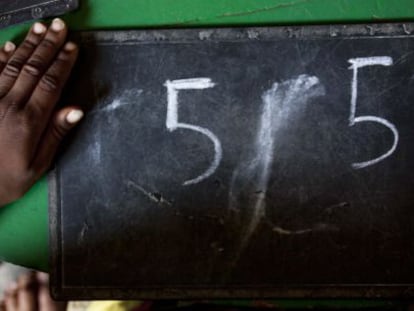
60	124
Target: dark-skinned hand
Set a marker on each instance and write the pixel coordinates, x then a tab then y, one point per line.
31	80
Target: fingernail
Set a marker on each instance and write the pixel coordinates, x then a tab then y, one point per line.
39	28
74	116
70	46
13	287
42	277
9	47
57	24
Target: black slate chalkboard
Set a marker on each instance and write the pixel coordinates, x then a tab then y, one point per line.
17	11
248	162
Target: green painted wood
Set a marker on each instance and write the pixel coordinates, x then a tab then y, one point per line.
23	224
24	229
101	14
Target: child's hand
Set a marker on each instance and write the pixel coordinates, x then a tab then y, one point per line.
31	80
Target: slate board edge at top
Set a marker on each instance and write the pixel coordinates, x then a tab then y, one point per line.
247	33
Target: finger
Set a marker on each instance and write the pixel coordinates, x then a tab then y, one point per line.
49	88
27	293
10	300
20	56
64	120
45	301
5	53
39	61
44	297
42	278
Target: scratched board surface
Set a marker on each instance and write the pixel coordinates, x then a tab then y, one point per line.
16	11
255	162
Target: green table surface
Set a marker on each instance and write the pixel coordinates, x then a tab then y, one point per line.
24	224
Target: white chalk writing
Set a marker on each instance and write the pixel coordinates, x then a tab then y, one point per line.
172	122
357	63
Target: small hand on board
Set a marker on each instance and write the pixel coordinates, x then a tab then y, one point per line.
31	80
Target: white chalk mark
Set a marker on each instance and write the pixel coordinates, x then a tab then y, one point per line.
126	99
357	63
218	152
387	124
172	92
117	103
318	227
280	104
95	151
172	122
370	61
